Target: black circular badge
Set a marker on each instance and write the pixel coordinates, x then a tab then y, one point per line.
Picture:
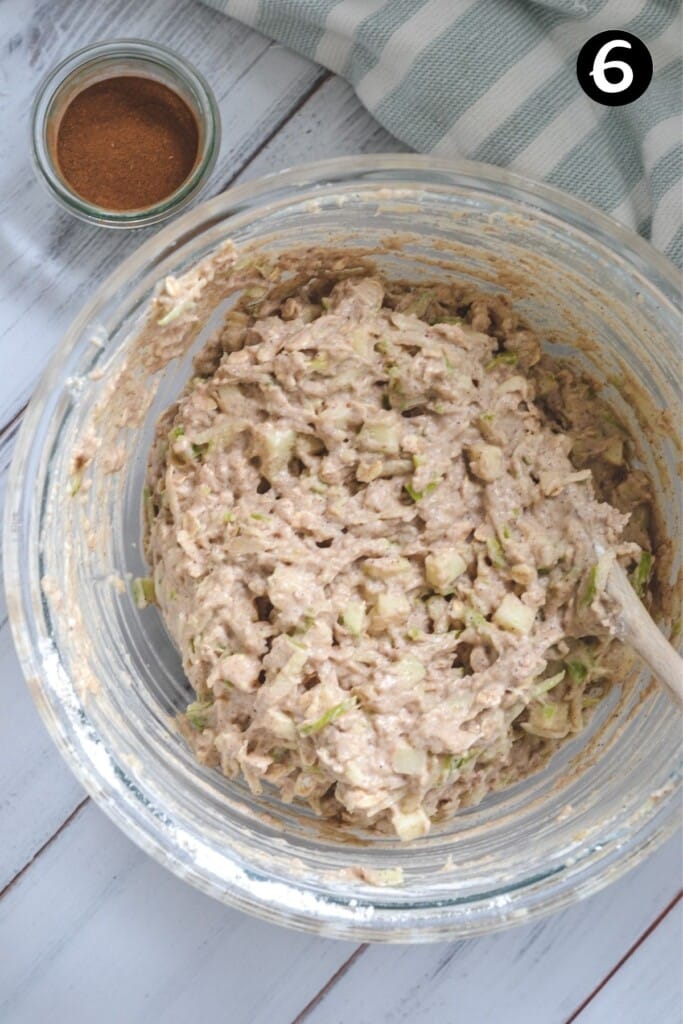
614	68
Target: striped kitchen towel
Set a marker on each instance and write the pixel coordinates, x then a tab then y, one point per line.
495	80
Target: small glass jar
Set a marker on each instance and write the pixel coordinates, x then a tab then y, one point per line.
97	63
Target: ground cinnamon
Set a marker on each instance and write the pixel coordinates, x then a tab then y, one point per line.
126	143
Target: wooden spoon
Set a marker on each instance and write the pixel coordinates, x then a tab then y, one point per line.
636	628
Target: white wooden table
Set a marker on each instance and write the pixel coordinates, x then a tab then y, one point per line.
90	928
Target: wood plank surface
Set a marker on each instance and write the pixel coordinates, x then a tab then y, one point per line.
99	932
92	890
534	972
331	123
649	986
91	928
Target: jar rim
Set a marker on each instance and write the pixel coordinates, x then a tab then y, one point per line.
147	54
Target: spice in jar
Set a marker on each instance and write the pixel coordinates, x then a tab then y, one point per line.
126	143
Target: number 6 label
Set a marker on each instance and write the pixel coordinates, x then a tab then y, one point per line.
614	68
601	65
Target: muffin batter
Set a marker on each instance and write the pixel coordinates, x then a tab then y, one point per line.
366	521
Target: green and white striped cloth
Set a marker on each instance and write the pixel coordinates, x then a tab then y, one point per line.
495	80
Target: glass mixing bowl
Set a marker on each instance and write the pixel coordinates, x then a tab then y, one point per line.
107	680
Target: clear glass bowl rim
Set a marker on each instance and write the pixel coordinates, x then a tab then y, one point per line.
480	914
145	51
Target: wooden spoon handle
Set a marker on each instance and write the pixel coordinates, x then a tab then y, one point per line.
644	636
